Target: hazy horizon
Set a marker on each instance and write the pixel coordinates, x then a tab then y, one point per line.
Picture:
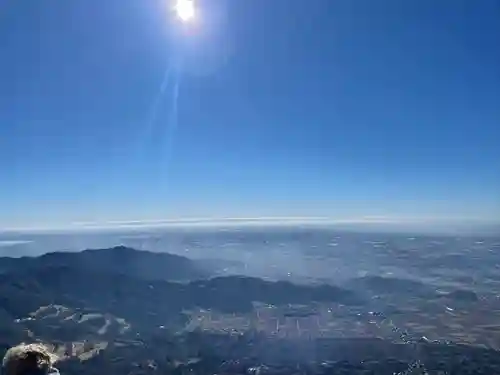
444	226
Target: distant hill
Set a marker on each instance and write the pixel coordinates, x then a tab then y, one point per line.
118	260
391	285
398	287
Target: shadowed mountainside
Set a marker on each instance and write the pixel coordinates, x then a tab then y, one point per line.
150	303
118	260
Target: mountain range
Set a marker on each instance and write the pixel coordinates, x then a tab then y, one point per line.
132	303
152	287
141	287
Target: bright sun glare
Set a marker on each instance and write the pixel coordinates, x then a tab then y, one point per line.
185	10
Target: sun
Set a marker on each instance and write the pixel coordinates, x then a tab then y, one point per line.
185	10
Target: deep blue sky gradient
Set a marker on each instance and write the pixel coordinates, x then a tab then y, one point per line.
334	108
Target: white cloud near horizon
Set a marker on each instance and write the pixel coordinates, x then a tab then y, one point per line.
364	221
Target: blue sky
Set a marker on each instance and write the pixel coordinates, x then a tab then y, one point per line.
331	108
